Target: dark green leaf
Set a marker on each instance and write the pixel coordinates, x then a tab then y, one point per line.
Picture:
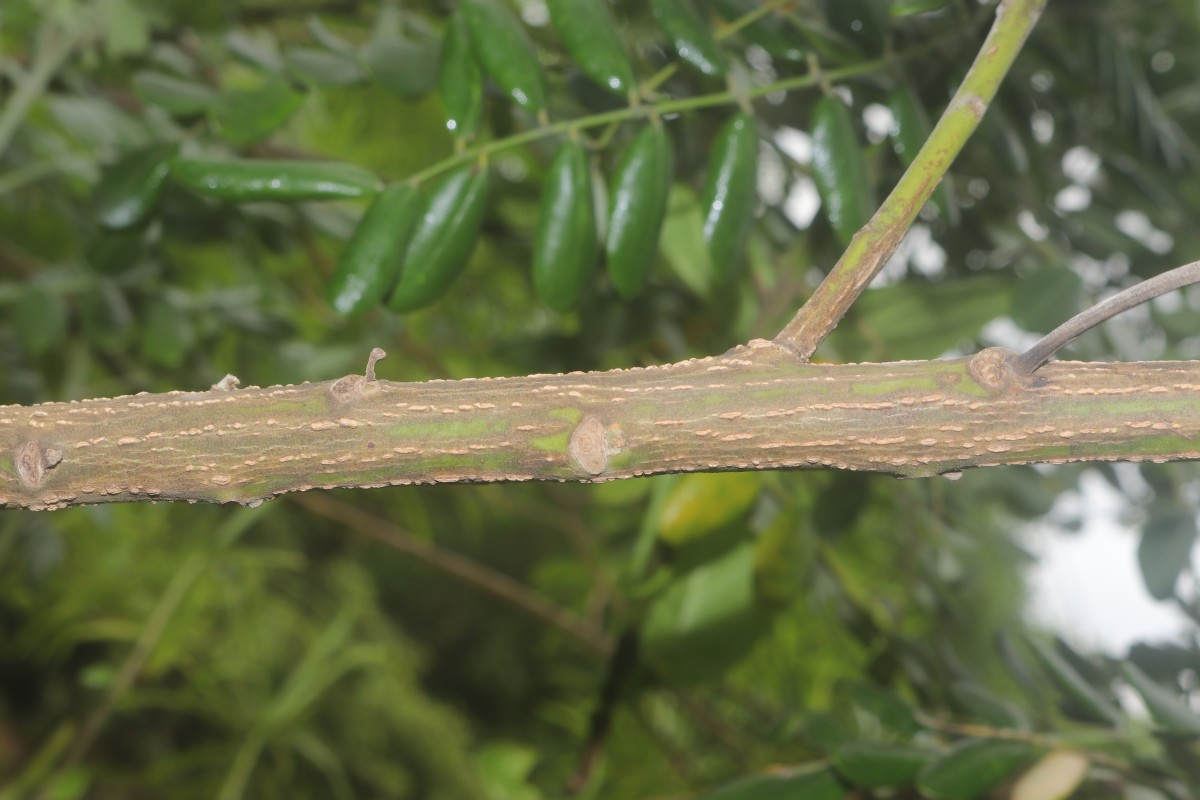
176	96
908	8
783	559
39	319
893	713
444	238
327	38
707	620
972	767
691	37
460	81
1165	547
255	180
812	783
1085	697
406	68
839	169
769	32
862	21
590	38
913	320
636	208
566	247
681	241
879	765
128	190
246	116
1166	706
729	195
506	52
322	68
1046	298
258	48
107	317
367	268
113	252
167	334
983	706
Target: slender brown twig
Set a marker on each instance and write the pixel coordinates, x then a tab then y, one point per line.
464	569
1084	321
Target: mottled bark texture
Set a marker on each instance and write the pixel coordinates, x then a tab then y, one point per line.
756	407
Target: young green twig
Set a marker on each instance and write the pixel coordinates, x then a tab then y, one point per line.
872	246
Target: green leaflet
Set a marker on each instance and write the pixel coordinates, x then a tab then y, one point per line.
706	620
39	319
690	35
246	116
254	180
812	783
729	194
565	246
1084	695
839	170
114	251
1166	706
681	242
1166	542
637	205
908	8
506	52
460	81
783	559
980	704
770	33
107	318
404	67
444	238
1046	297
589	36
323	68
972	767
128	190
167	333
369	264
863	22
879	765
177	96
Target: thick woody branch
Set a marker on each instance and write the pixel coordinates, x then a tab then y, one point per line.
756	407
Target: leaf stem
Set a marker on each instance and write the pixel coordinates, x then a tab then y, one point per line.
874	244
639	112
472	573
723	32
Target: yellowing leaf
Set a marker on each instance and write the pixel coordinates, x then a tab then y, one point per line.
1055	777
703	502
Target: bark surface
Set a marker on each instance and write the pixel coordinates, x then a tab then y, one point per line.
756	407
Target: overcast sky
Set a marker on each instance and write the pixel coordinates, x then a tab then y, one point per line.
1086	585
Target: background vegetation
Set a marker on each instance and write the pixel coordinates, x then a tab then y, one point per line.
653	638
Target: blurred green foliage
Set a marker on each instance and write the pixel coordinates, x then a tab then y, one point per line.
771	634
